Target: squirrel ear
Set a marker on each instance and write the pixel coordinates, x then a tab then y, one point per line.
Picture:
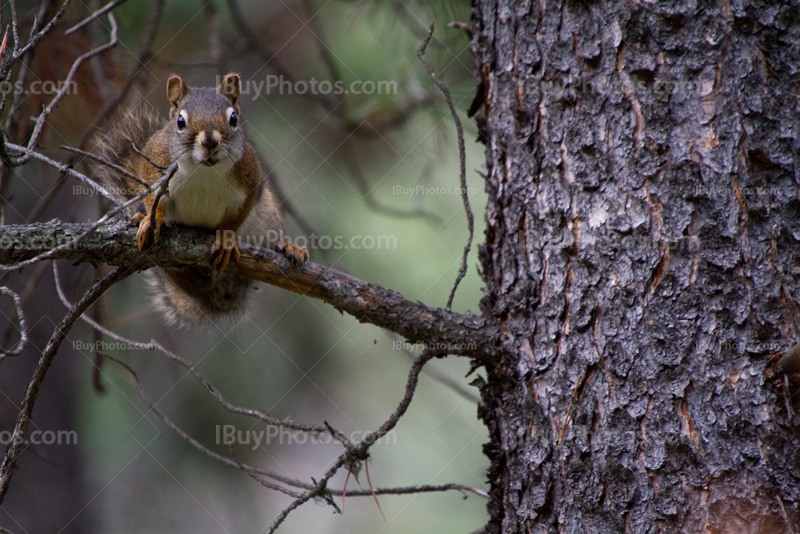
176	90
231	87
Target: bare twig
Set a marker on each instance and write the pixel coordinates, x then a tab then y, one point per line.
42	118
148	158
384	209
32	391
268	485
14	25
154	345
462	270
359	453
6	70
25	295
411	490
196	444
163	189
99	13
107	163
318	489
26	58
23	329
32	40
64	168
103	220
434	373
144	56
411	386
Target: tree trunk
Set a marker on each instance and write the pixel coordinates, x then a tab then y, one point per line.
642	254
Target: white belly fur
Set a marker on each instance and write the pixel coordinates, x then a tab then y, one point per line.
200	195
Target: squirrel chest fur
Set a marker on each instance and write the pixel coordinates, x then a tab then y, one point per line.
202	196
218	186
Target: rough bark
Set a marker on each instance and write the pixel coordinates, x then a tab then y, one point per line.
641	251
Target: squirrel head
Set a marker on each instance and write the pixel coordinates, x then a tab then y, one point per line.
205	121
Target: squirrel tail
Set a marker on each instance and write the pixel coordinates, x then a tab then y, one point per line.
116	146
187	296
184	296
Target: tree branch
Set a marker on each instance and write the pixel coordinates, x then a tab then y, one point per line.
32	391
462	162
115	244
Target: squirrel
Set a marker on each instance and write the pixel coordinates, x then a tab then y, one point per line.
217	186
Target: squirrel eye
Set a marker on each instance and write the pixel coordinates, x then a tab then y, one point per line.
181	122
233	120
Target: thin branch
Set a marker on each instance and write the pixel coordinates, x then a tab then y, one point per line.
64	168
107	163
148	158
52	253
411	386
196	444
42	118
250	470
412	490
376	205
23	329
462	270
26	59
154	345
319	489
139	68
30	287
434	373
359	453
268	485
14	25
99	13
32	391
18	52
163	189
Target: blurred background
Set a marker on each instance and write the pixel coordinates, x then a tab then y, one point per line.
369	160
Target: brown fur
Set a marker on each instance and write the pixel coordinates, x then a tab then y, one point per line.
190	295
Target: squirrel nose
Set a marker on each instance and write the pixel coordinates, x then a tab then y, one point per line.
208	139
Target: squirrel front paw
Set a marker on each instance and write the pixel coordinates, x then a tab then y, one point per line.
143	234
225	248
297	255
